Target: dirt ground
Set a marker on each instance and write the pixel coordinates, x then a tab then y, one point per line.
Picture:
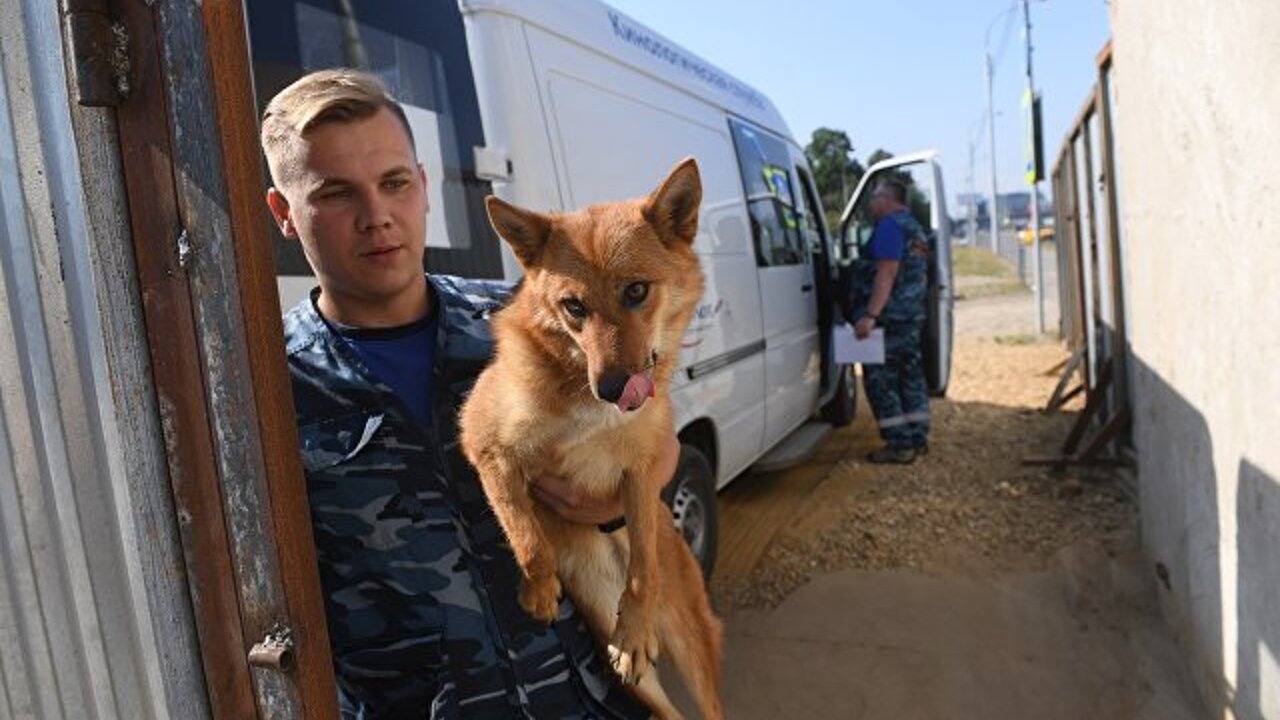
963	586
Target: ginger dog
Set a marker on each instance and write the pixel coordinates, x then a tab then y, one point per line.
585	352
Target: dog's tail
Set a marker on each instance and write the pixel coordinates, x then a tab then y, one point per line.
693	638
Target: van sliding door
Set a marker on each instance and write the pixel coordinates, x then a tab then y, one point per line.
787	288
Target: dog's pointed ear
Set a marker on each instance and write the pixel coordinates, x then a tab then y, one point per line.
524	230
673	208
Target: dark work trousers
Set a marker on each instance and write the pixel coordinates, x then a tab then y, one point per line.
897	391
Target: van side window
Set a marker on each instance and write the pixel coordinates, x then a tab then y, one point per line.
771	203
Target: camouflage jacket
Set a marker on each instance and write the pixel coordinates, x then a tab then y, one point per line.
906	302
420	585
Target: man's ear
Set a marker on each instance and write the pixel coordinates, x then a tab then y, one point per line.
673	208
279	205
524	230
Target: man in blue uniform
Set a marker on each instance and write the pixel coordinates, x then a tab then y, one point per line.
890	284
420	585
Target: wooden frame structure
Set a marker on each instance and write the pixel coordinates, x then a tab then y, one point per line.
1092	291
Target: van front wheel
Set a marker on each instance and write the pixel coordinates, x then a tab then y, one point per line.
839	410
691	495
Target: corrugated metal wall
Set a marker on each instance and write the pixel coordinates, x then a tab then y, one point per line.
95	618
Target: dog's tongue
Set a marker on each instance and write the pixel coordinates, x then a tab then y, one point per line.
639	388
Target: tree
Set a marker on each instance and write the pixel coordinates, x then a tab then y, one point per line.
878	155
835	170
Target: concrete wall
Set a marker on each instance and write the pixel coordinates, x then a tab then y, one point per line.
1198	142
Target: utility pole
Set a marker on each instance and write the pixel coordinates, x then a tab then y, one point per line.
971	221
1034	176
993	211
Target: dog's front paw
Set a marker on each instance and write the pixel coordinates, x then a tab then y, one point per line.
633	649
540	597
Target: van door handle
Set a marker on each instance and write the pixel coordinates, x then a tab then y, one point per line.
806	287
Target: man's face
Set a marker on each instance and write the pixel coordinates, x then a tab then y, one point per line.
358	204
881	203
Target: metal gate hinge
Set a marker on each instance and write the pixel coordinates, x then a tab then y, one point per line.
274	651
99	48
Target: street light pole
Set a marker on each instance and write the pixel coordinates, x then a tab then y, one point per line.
992	207
1034	175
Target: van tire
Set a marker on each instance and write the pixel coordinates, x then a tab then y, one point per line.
840	409
691	495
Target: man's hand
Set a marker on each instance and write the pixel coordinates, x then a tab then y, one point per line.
567	500
864	326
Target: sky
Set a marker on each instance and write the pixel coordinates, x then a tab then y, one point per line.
904	75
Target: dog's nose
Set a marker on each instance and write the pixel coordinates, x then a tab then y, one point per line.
610	386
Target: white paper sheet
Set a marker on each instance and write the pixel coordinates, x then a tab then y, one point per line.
849	349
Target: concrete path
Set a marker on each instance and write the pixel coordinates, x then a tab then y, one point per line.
1077	642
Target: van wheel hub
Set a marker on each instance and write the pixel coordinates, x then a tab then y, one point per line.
691	518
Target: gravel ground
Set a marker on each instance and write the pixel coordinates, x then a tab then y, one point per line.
970	507
962	586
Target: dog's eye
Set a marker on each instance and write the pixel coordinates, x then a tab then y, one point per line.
575	308
635	293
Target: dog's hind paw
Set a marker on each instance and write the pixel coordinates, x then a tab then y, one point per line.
540	597
624	665
632	652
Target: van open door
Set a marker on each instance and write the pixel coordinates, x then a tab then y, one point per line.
922	173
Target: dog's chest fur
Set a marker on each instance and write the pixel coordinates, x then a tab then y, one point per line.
597	443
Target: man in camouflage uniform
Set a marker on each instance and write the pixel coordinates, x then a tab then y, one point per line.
890	283
420	585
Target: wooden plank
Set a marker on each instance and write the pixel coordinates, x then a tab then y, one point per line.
1103	59
1091	408
1067	461
1114	427
1117	424
146	156
1069	367
203	203
1092	228
1057	367
1069	396
255	266
1076	262
1120	349
1060	212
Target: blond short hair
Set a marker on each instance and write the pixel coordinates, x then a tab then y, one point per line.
338	95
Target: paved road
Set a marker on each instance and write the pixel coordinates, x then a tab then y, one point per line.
1019	256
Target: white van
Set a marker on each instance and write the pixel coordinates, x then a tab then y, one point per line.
557	104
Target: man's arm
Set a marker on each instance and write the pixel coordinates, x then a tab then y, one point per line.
881	288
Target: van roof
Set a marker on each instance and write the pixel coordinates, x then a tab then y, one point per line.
609	31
